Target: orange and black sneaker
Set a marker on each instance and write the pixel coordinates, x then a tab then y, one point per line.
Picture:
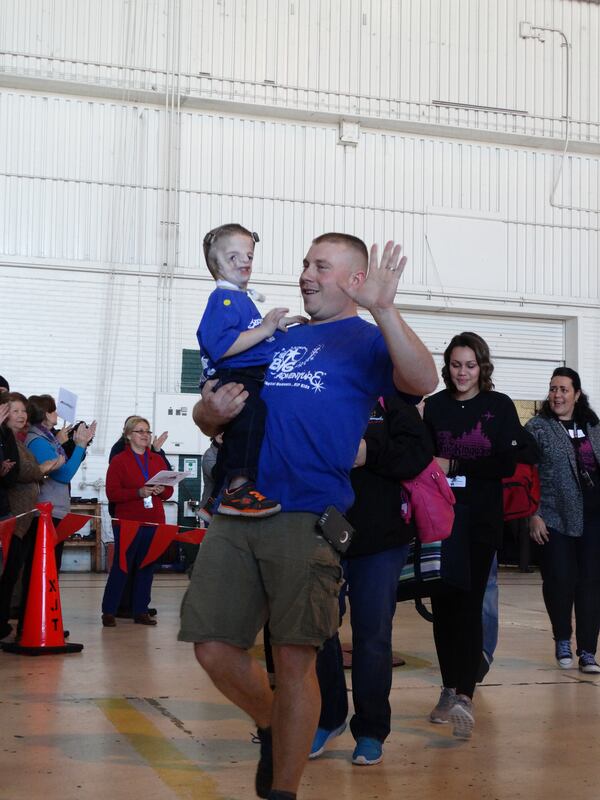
246	501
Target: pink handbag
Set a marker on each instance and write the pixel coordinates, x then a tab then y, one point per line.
430	503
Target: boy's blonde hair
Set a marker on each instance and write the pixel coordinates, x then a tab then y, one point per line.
212	237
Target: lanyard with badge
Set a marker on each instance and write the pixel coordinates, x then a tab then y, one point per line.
576	435
144	468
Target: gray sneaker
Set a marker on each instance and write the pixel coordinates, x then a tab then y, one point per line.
439	715
461	716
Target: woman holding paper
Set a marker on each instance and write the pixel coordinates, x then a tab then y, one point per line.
126	487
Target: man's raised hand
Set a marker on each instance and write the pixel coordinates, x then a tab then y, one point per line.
378	290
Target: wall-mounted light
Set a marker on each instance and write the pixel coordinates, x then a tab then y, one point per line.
527	30
349	133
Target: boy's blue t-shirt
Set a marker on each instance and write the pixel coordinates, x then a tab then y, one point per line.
319	389
228	313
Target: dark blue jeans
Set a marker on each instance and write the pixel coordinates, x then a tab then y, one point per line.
142	580
371	585
571	573
489	617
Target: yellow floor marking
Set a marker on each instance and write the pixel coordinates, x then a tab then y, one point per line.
182	776
412	662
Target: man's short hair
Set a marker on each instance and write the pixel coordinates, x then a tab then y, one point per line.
4	387
353	242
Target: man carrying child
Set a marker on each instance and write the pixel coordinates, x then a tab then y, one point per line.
319	390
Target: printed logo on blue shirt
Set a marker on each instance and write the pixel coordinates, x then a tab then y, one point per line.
288	368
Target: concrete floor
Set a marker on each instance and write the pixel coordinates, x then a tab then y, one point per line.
133	716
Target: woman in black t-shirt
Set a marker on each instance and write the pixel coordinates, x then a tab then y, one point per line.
476	433
568	520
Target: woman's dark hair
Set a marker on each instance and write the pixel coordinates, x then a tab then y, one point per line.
582	413
482	355
38	406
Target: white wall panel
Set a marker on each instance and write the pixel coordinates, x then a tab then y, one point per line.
58	137
80	180
524	351
380	58
56	219
508	337
68	345
85	181
388	178
587	358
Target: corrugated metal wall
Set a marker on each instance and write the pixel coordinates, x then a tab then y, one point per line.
90	173
524	351
380	58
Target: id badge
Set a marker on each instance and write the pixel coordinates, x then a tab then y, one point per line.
457	482
148	502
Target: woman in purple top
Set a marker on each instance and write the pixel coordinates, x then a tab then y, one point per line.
476	433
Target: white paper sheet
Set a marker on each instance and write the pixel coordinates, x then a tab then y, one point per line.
167	477
66	406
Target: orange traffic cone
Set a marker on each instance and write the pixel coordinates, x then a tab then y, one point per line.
43	629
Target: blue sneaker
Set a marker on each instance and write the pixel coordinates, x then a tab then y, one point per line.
368	751
564	654
587	663
322	737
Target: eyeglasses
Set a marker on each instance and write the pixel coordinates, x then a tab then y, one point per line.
216	232
143	433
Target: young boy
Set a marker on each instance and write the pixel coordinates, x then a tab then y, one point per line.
236	346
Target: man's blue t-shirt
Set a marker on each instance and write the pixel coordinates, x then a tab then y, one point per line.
319	389
228	313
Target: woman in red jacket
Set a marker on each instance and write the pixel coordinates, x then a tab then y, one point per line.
126	487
